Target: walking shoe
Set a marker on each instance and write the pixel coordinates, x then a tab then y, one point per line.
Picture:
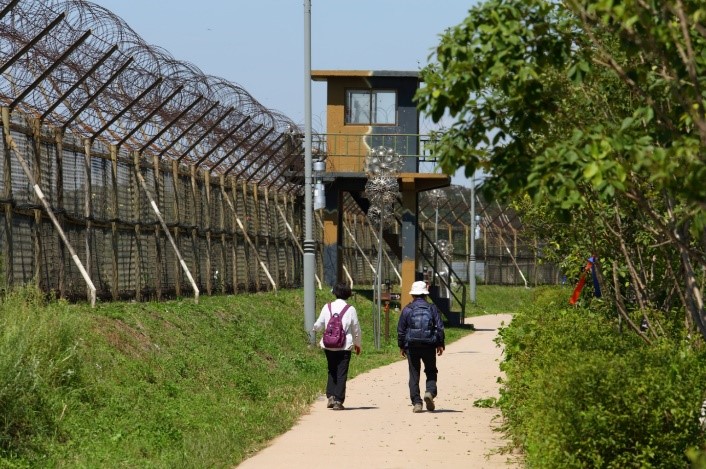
429	400
337	406
329	404
417	408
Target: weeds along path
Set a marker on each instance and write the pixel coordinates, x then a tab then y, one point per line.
377	429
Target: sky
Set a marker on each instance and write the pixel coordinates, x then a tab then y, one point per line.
259	44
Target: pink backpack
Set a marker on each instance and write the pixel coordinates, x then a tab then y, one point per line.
335	335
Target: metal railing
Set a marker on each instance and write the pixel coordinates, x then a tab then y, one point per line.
347	152
438	258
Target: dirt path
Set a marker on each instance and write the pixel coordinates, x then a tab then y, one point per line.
378	429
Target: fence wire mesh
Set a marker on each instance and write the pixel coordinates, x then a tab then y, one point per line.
99	128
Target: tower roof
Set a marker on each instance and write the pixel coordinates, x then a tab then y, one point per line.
324	75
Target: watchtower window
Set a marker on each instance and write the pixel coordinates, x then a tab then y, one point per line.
366	107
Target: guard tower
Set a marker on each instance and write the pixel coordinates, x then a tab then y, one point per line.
367	109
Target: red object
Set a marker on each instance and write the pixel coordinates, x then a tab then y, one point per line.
582	282
577	290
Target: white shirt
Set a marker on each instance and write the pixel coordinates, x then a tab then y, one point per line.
349	321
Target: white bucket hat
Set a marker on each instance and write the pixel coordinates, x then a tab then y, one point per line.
419	288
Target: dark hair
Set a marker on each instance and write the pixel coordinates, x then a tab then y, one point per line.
341	290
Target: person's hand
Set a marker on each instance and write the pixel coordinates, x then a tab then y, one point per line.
439	350
403	352
357	349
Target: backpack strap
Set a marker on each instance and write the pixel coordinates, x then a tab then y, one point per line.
343	311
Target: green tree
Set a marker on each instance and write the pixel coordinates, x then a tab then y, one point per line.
596	111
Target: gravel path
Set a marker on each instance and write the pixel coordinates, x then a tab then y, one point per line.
378	429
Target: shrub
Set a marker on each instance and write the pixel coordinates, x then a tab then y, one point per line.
578	393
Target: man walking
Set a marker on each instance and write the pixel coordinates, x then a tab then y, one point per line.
420	337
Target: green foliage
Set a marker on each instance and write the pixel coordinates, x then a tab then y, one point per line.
533	84
170	384
486	403
578	393
589	116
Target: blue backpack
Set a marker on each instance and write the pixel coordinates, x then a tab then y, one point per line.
422	328
335	334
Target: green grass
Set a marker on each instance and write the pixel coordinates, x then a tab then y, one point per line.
496	299
162	385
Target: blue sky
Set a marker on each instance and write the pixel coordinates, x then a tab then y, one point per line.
259	44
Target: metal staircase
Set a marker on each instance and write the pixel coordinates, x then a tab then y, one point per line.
457	299
453	308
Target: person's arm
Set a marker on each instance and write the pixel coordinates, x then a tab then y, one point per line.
355	330
440	334
402	331
321	321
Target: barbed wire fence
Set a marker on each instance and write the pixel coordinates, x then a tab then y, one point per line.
162	178
128	174
505	254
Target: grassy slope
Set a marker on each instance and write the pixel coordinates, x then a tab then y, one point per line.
169	384
491	299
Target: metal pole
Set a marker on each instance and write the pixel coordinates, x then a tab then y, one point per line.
472	259
309	243
378	285
436	224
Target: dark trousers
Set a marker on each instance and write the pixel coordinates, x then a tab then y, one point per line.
338	361
415	357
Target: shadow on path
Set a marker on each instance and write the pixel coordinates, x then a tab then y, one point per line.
385	433
357	408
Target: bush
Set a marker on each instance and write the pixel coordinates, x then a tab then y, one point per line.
580	394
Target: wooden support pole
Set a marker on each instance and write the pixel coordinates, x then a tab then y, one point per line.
280	240
37	226
252	245
157	237
114	290
207	226
59	184
155	208
221	280
38	191
177	219
296	241
8	250
255	226
233	188
271	230
137	260
196	204
88	205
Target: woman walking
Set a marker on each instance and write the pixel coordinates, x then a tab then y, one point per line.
339	357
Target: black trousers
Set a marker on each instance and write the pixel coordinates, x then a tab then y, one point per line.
415	357
338	361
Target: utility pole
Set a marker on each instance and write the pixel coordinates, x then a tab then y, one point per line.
309	243
472	255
